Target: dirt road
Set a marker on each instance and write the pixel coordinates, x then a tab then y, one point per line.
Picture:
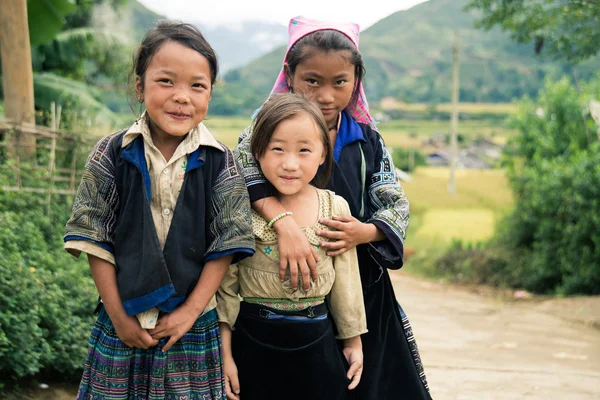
481	347
478	347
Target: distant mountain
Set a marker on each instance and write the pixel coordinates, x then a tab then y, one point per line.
235	44
238	44
408	55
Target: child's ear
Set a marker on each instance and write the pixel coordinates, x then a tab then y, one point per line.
323	157
139	88
288	76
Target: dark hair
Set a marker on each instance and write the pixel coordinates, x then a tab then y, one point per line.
283	106
168	31
326	40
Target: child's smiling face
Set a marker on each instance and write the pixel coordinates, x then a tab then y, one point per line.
176	90
293	155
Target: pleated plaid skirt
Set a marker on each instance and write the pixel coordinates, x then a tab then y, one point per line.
190	370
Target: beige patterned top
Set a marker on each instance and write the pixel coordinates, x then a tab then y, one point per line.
338	277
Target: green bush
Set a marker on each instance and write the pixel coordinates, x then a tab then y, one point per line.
46	296
550	242
557	218
481	264
402	159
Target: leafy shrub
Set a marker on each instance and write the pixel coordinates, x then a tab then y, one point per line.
557	218
46	296
401	159
550	242
481	264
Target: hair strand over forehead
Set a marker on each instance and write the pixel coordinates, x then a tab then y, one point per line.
281	107
326	40
170	31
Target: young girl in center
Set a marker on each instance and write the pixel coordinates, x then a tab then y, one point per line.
278	343
161	212
323	62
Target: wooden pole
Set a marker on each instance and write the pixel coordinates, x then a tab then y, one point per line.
453	143
52	160
17	74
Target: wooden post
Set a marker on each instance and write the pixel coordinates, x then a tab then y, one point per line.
17	74
52	160
453	144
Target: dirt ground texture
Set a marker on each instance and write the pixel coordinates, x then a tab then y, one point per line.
480	344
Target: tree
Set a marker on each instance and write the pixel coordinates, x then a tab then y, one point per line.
565	29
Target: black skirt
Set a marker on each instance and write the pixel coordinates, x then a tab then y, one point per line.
288	355
392	365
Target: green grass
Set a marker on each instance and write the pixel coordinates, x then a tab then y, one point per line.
396	133
467	108
410	133
437	217
227	129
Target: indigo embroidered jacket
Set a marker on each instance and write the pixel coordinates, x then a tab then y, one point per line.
159	260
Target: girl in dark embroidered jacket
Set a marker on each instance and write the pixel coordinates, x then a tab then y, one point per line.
162	212
323	62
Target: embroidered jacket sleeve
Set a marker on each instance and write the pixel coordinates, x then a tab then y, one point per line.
231	226
346	296
258	186
390	208
228	301
92	223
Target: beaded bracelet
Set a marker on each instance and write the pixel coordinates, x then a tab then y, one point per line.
277	218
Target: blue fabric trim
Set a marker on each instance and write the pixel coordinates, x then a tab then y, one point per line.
153	299
349	132
105	246
293	318
239	254
171	303
195	160
134	153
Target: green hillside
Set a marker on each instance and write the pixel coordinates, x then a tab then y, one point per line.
408	55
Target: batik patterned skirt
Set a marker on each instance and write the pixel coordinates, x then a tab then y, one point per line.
190	370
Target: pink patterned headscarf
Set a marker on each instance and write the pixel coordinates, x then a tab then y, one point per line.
300	27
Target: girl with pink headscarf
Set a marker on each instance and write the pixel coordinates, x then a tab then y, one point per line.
323	62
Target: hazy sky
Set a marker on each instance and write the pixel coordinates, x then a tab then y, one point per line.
364	13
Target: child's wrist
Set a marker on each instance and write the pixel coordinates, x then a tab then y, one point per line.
194	309
283	224
278	218
371	233
352	342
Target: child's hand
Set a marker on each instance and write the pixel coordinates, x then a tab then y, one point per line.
232	383
131	333
349	232
174	324
354	356
295	251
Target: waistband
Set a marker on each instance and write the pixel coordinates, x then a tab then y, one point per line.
316	313
287	304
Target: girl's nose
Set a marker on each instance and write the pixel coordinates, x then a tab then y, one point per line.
290	163
325	97
181	96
